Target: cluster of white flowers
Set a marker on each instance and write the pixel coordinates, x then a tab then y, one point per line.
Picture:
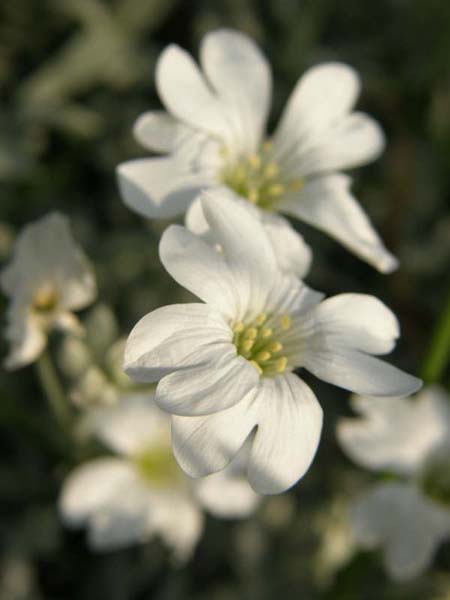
409	438
243	422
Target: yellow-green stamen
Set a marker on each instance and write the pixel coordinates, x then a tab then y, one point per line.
258	343
258	177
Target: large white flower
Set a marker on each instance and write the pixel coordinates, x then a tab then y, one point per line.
48	278
409	437
213	134
141	492
225	367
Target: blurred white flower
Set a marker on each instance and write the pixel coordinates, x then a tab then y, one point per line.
94	363
142	492
214	135
225	367
48	278
409	437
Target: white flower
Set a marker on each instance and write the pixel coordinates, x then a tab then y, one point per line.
142	492
409	437
48	278
93	363
225	367
213	134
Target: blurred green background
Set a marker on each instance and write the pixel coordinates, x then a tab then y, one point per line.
74	75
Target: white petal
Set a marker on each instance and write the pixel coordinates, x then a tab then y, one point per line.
195	265
396	434
288	433
327	203
165	339
206	389
292	253
204	445
406	525
358	372
353	141
159	132
323	95
227	494
91	486
133	425
25	336
157	187
246	248
178	520
185	94
123	521
240	74
366	323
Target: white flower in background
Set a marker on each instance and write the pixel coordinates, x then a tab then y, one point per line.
48	278
141	492
408	437
213	134
225	367
93	363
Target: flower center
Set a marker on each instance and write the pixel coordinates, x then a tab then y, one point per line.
258	178
260	343
435	480
45	299
157	466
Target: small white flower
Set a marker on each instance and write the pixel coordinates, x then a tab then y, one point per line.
409	437
142	492
225	367
49	277
213	134
93	363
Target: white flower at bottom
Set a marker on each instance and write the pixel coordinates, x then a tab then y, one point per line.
142	492
49	277
225	368
409	437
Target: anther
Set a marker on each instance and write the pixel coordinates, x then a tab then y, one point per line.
239	327
275	347
276	189
255	161
257	367
253	195
260	319
286	322
271	170
251	333
263	356
266	332
280	365
247	345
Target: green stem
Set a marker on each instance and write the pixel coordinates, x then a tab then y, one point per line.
53	389
438	355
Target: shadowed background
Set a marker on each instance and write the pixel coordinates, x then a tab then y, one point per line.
74	76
